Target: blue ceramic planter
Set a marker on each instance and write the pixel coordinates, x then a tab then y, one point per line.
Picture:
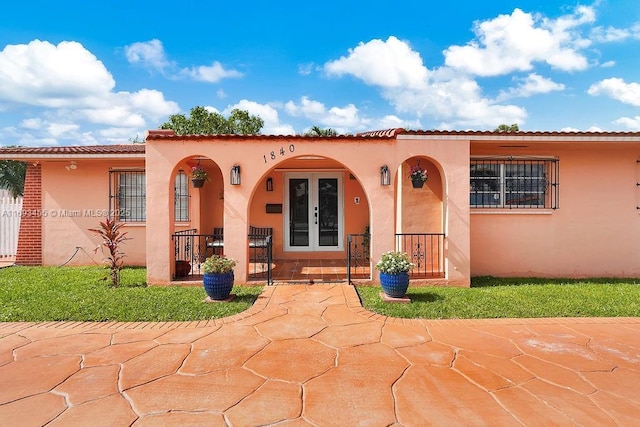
218	285
394	285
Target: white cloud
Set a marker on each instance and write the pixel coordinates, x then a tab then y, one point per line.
444	93
305	69
393	122
267	113
43	74
113	116
58	129
72	91
32	123
608	64
391	63
211	74
117	135
458	102
514	42
150	103
612	34
342	119
631	123
150	54
307	108
618	89
39	132
531	85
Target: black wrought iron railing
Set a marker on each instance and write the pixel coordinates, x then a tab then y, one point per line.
358	260
426	251
191	249
261	257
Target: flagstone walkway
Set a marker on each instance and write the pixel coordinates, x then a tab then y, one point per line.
311	355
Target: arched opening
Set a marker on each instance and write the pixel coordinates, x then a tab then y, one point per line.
196	206
420	216
311	205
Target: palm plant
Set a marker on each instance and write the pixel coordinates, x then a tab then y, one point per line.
12	174
318	131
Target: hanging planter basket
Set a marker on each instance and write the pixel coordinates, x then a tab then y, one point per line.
197	182
417	183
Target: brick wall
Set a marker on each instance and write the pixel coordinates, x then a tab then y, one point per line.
30	237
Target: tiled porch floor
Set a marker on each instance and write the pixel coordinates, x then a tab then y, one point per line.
309	271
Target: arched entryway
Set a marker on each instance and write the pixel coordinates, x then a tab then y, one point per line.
420	213
311	204
196	215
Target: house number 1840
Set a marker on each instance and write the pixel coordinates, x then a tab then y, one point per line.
274	154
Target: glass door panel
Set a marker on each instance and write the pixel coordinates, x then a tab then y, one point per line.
327	226
299	212
314	212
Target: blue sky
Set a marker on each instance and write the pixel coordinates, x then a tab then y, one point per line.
77	72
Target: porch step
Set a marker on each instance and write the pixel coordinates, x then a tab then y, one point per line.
309	282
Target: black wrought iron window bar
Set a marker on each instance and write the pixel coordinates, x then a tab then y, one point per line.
181	197
515	183
127	195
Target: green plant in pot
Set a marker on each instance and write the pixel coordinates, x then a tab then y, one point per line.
394	273
218	276
198	176
418	176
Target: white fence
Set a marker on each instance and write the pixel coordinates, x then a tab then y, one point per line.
10	209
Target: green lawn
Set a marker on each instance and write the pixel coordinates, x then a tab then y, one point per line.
79	294
491	297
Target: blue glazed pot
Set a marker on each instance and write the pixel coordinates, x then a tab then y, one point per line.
394	285
218	285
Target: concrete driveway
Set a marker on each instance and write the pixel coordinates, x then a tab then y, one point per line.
311	355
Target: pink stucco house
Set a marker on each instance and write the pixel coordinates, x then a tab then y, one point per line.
547	204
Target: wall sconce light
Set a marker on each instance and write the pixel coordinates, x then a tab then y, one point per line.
235	175
72	166
269	184
385	175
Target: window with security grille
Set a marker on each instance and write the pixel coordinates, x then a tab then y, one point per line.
181	197
510	183
127	195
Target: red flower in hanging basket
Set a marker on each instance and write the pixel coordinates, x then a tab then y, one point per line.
197	172
416	173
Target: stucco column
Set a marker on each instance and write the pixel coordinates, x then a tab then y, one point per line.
382	221
236	202
458	231
159	246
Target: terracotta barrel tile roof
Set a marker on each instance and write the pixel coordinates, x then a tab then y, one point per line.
386	133
84	149
87	151
472	133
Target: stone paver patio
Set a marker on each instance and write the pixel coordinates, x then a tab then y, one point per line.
311	355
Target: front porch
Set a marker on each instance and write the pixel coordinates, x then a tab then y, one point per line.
311	198
426	251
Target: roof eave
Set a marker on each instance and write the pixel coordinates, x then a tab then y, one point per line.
40	156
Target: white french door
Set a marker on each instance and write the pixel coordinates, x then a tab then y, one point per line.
313	212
